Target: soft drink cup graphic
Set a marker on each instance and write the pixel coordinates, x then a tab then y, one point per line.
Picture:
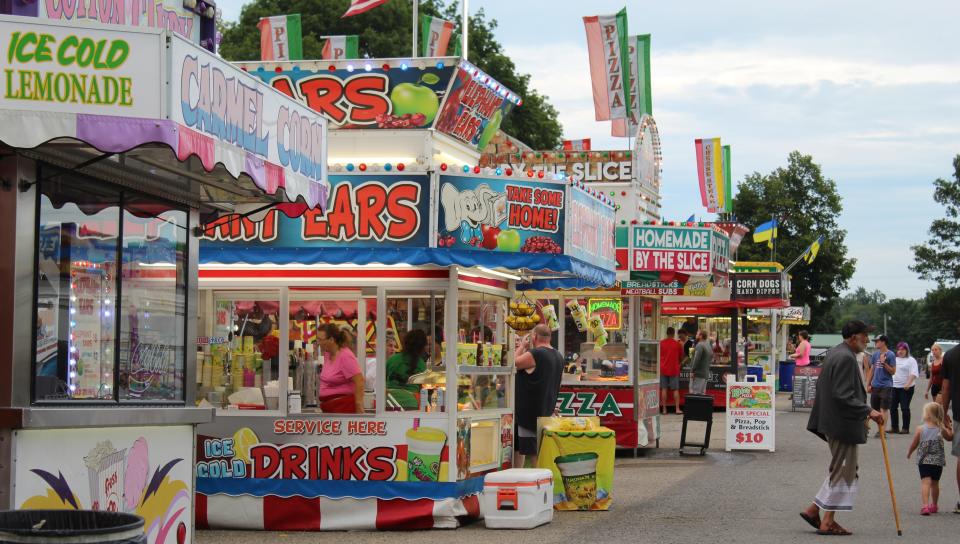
424	446
579	473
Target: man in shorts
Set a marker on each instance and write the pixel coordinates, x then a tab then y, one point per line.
671	353
883	365
951	391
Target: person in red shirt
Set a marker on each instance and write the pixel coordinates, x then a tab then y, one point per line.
671	353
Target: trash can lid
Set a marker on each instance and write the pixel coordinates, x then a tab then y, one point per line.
32	525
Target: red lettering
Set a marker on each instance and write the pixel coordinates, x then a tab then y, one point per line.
290	427
351	464
284	85
265	459
330	463
381	463
298	426
341	219
371	200
314	224
402	207
367	98
293	456
322	93
278	427
518	194
311	426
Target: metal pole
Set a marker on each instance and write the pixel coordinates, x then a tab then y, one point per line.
465	25
416	17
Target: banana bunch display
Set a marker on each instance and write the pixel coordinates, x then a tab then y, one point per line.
523	315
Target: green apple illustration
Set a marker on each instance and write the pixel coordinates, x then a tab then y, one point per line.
414	98
508	240
488	132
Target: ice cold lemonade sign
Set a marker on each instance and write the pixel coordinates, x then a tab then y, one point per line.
80	70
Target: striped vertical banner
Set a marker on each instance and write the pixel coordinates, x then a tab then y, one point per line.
435	36
727	180
340	47
641	101
609	65
710	172
281	38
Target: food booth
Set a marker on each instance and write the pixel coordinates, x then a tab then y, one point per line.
116	140
737	340
414	235
608	336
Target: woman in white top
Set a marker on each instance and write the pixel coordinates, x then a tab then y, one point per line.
904	381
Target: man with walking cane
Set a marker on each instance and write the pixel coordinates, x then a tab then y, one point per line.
838	416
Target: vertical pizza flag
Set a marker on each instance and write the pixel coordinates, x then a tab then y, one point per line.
436	35
340	47
609	65
641	101
281	38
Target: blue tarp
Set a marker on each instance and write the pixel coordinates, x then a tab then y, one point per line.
544	263
339	489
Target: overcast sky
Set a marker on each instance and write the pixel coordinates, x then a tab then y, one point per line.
870	89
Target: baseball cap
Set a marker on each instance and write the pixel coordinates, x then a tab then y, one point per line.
882	338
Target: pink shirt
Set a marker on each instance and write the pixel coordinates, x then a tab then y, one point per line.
803	350
336	378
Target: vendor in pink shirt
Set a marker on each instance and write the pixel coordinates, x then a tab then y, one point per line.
802	355
341	382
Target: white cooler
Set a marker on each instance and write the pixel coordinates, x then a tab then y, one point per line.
517	498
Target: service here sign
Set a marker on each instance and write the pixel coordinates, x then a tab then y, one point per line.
671	249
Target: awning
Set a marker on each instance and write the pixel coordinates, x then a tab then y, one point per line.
554	266
713	307
153	89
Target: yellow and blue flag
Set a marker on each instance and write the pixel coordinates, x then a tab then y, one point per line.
766	232
811	253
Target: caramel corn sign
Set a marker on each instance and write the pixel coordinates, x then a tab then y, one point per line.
80	70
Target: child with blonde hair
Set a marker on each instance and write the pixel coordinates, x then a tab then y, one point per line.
928	443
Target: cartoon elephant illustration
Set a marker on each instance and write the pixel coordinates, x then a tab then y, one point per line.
469	209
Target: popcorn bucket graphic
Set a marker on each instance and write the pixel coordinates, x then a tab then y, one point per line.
105	467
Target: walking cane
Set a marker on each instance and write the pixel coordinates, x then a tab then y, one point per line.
886	464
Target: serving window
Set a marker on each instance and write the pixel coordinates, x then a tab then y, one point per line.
110	294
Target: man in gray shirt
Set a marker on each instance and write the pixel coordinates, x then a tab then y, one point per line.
702	359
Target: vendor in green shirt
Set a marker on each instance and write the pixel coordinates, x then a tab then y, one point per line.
407	362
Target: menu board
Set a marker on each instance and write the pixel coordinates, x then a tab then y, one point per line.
751	416
805	386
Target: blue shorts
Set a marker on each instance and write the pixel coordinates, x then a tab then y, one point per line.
670	382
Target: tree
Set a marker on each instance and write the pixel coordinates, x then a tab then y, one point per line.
385	32
939	258
807	205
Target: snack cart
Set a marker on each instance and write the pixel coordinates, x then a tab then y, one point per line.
415	236
109	159
607	335
732	334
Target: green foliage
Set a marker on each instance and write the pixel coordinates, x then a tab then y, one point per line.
918	322
385	32
806	205
939	258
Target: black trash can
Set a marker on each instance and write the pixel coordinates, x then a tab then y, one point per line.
65	526
697	408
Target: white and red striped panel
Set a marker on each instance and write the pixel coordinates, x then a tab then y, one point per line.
296	513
